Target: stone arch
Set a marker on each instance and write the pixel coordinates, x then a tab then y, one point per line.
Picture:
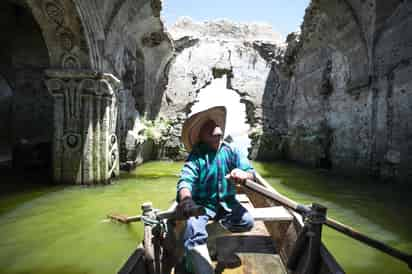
391	145
162	78
332	62
237	122
323	20
63	33
141	33
23	58
131	100
134	77
132	92
384	10
389	14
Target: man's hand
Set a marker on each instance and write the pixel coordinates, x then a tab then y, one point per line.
239	176
188	208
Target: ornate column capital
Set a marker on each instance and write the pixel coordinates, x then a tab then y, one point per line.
87	81
85	149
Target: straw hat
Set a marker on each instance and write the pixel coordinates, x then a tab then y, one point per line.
193	124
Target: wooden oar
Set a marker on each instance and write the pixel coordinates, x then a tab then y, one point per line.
124	219
137	218
347	230
170	213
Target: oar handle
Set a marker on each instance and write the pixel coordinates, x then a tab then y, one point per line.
168	214
284	201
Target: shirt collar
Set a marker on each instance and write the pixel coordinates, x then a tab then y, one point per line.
204	148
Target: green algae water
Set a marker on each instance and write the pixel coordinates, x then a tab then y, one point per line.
63	229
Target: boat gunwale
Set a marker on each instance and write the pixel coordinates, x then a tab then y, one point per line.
327	257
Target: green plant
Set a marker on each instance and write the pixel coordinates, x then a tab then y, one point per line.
157	130
255	133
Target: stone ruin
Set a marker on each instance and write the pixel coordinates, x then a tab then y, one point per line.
336	96
88	85
68	69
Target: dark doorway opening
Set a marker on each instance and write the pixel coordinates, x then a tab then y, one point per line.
25	105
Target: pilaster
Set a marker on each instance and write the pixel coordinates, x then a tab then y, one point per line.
85	148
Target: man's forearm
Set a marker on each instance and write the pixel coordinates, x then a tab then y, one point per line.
183	193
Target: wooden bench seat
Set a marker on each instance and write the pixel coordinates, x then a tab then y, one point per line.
274	213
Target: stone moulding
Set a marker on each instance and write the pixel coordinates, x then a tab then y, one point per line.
85	147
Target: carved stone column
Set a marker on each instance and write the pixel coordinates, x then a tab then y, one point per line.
85	148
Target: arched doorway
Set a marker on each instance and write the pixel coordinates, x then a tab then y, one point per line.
217	94
23	59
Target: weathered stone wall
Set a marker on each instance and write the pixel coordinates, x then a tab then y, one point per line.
348	102
337	97
134	47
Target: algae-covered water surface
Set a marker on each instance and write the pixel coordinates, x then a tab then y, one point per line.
63	229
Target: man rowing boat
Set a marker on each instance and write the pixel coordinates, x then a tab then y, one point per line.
204	181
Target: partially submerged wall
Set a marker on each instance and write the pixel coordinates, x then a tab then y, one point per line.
348	102
337	97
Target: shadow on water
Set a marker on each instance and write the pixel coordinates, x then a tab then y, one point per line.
46	228
20	186
154	170
61	270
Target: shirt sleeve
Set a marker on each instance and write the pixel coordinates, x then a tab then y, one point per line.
188	176
241	161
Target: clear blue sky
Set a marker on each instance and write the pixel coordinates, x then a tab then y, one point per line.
285	16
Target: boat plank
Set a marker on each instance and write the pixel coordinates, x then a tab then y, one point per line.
248	252
258	264
272	213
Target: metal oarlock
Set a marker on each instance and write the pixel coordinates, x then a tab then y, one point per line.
309	241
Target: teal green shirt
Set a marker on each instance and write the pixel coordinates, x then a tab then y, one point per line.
204	175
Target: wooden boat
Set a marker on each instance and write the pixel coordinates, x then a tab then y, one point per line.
280	242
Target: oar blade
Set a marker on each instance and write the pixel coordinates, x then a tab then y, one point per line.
119	218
